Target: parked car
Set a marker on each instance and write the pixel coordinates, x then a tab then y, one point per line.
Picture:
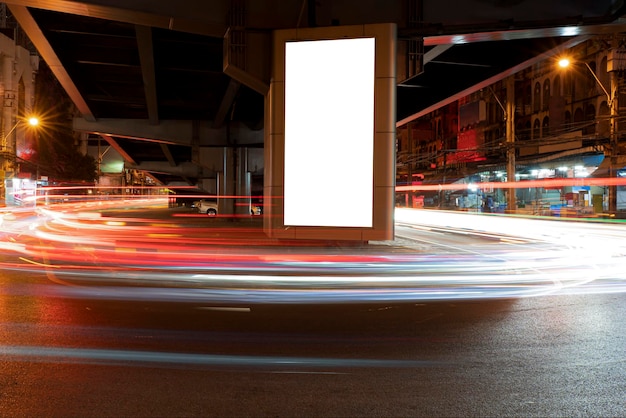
256	209
206	206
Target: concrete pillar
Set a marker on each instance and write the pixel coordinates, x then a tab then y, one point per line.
7	148
243	189
226	183
7	105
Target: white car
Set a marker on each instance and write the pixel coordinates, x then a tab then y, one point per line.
206	206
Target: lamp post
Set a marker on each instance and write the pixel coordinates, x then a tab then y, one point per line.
32	121
9	152
612	151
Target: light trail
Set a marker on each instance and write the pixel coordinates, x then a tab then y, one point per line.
139	258
137	358
539	183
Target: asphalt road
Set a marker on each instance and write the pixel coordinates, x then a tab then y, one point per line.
110	352
543	356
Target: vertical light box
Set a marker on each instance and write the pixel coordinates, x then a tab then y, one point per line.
330	134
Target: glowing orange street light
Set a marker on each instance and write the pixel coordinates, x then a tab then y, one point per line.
565	62
32	121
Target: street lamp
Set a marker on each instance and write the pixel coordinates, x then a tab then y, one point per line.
565	62
31	121
612	151
8	153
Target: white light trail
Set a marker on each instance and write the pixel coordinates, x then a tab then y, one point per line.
135	262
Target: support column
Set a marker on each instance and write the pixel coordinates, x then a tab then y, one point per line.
7	105
511	203
226	183
243	183
7	147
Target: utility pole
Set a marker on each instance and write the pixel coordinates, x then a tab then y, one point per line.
613	150
511	203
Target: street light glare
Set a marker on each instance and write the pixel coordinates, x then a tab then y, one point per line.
33	121
564	62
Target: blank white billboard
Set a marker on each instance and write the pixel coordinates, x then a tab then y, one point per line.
329	132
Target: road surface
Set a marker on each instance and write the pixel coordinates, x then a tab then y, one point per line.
119	344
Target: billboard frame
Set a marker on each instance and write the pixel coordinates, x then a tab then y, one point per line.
384	136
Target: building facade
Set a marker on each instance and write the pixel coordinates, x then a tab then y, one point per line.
17	86
566	125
